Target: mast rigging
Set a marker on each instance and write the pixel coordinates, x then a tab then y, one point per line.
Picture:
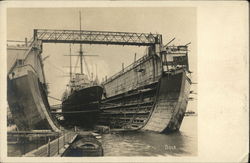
81	52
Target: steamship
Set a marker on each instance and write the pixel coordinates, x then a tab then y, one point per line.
81	100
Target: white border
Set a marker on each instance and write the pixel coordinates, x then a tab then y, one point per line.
222	77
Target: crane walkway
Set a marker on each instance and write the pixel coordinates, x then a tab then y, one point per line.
97	37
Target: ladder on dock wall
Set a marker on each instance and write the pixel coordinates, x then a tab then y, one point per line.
139	100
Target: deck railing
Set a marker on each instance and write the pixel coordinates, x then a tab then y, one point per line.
55	147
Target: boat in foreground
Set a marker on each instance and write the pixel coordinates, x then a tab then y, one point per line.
84	146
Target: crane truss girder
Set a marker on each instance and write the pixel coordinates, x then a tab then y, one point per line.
97	37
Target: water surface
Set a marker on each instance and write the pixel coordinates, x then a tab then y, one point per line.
181	143
141	143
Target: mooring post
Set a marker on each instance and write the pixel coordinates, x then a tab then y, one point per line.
24	144
36	141
48	149
63	137
58	141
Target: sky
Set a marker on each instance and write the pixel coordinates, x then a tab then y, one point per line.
179	23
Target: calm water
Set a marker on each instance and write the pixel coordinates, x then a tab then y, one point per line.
182	143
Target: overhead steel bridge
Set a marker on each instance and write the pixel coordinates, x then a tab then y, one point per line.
97	37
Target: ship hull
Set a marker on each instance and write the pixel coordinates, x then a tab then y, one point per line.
170	105
82	107
27	91
156	102
28	103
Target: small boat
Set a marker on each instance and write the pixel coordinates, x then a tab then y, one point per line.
84	146
96	135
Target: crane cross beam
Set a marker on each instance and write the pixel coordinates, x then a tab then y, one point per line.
97	37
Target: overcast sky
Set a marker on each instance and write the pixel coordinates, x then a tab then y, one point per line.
170	22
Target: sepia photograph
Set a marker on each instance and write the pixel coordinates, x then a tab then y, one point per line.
101	82
120	81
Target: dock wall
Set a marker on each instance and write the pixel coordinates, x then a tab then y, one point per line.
26	93
144	71
170	104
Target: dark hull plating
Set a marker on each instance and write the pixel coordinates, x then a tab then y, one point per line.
27	91
81	108
28	103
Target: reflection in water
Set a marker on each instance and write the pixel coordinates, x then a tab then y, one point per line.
144	143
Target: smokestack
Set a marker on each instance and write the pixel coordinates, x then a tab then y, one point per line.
135	57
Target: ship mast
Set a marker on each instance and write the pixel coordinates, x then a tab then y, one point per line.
81	52
70	66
